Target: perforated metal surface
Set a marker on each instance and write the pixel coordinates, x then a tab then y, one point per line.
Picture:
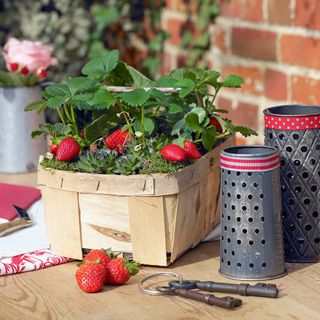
300	189
251	236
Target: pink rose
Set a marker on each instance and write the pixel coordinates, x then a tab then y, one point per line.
34	56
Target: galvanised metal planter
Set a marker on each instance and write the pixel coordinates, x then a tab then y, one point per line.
251	246
294	130
19	153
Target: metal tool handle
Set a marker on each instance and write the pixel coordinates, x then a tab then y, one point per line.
225	302
244	289
8	227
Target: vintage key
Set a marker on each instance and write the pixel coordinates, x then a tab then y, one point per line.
243	289
225	302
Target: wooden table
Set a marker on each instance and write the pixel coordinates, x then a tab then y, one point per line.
53	294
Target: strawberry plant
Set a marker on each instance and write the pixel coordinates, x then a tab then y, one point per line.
116	120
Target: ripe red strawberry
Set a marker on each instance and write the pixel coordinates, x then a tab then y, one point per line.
117	140
91	277
68	149
173	153
216	123
53	148
24	71
14	66
191	150
97	254
119	270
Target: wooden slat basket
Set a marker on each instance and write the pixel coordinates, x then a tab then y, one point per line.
154	217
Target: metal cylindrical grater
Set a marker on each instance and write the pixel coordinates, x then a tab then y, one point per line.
251	244
294	130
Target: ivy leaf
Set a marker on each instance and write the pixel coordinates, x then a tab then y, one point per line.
79	84
149	125
174	108
135	97
187	85
103	99
100	67
208	137
192	121
60	90
246	132
139	80
232	81
36	105
97	129
55	102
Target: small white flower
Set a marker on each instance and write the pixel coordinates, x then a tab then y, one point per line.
138	134
49	155
137	147
162	109
41	158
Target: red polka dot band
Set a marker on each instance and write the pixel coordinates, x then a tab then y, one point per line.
256	164
292	123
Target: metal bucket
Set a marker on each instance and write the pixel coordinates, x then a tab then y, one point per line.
18	151
294	130
251	246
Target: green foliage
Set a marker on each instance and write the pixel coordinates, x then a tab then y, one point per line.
11	79
152	118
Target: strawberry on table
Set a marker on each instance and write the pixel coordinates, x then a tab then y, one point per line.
68	149
191	150
91	277
119	270
173	153
97	254
117	140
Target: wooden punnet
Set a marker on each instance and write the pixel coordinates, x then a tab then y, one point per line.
156	217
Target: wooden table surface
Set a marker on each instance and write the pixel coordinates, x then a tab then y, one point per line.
53	294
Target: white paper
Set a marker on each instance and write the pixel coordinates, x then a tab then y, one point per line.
28	239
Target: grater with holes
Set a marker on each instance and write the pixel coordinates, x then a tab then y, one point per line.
294	130
251	246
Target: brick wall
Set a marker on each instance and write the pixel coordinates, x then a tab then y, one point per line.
273	44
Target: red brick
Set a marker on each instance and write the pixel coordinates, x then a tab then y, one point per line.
253	78
307	14
244	9
219	38
298	50
254	44
279	12
275	84
190	6
174	27
305	90
244	114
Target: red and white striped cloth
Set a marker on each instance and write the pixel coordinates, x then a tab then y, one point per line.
292	123
31	261
253	164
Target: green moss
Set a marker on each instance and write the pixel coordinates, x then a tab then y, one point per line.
154	163
57	165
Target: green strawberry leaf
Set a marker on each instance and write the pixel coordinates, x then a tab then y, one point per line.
103	99
60	90
246	132
36	105
192	121
135	97
179	127
149	125
201	113
55	102
208	137
165	81
79	84
100	67
232	81
175	108
186	85
139	80
97	129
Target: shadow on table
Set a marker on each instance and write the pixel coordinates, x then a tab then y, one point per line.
203	251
